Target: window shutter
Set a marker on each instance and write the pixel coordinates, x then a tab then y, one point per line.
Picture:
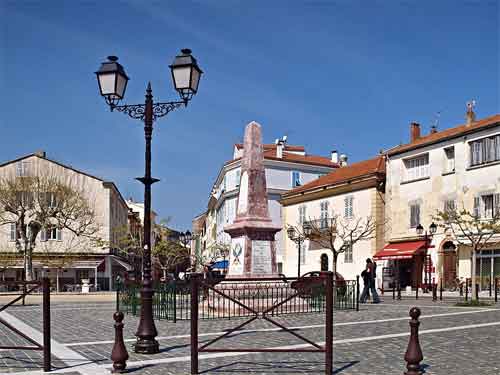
417	214
477	211
59	234
496	204
43	235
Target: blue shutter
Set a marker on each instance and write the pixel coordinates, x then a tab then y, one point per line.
43	235
59	234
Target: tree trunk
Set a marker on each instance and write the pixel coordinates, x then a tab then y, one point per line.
28	261
473	273
334	268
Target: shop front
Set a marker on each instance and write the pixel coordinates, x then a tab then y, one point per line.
404	263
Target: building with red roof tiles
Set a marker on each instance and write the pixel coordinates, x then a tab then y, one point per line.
350	193
455	167
287	166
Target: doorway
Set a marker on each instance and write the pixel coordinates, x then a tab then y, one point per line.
449	264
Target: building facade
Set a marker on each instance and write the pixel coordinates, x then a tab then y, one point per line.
286	167
349	194
454	168
63	257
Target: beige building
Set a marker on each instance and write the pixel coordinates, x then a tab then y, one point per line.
65	258
350	193
455	167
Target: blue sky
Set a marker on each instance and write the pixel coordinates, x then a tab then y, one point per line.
346	75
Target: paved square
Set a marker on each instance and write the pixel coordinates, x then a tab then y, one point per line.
372	341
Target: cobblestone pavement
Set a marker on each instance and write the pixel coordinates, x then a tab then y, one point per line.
454	340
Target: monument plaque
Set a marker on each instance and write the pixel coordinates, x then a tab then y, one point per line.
237	256
261	257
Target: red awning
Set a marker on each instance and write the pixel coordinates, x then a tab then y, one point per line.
400	250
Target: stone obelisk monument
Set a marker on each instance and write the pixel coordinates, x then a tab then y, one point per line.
253	249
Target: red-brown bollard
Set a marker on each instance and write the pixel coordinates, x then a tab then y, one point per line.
119	355
414	354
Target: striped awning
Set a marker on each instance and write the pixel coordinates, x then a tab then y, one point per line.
400	250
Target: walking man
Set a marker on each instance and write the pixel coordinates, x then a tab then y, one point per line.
370	270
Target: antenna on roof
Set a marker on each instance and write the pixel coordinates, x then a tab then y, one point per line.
284	138
276	141
435	125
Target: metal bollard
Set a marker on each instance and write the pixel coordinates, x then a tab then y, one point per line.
393	291
434	292
496	290
399	291
119	354
441	289
477	292
413	355
357	292
416	293
466	291
47	364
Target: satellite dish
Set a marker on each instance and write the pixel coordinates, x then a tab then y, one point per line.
276	141
284	138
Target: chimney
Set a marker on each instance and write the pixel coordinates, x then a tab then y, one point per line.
343	160
470	116
40	153
414	131
335	156
279	150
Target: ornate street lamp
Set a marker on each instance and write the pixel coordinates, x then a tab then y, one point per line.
427	238
299	238
112	81
185	237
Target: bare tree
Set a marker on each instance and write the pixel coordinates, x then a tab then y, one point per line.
171	254
340	234
129	245
473	230
43	203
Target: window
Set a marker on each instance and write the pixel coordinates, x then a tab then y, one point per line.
24	198
348	202
13	232
51	234
22	168
324	214
295	178
348	254
417	168
485	150
449	159
487	206
414	215
51	200
238	176
302	214
224	183
449	206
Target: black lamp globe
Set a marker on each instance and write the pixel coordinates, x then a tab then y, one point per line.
433	228
419	229
291	232
306	227
186	74
112	80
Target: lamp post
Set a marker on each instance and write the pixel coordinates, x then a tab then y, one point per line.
427	238
299	239
185	238
112	81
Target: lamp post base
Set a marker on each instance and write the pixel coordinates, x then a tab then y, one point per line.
146	346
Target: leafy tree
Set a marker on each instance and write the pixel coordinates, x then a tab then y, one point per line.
472	230
40	203
171	254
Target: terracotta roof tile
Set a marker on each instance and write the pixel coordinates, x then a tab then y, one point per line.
446	134
296	158
273	147
343	174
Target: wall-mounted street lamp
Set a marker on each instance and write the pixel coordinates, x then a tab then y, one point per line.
112	81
